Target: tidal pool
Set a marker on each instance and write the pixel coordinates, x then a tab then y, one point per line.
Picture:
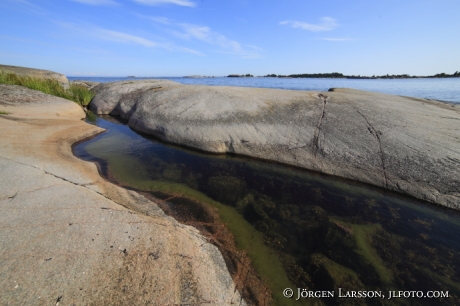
299	229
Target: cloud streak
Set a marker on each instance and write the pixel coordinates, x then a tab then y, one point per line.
27	6
327	24
97	2
205	34
336	39
125	38
160	2
162	20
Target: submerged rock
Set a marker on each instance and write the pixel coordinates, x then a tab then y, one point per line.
404	144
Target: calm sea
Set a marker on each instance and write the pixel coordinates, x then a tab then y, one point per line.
437	89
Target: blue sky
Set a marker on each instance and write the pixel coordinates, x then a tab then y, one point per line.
221	37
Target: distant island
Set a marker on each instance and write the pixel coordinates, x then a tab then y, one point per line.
240	76
198	76
338	75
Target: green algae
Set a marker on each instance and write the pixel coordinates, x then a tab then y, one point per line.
363	235
299	231
246	237
336	276
129	171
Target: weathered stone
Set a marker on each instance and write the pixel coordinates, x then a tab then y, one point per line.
69	237
36	73
403	144
120	99
87	84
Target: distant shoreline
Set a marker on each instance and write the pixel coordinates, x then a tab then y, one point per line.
337	75
333	75
86	78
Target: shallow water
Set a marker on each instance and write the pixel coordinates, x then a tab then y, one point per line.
438	89
301	229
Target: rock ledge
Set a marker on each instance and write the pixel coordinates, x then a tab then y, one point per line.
70	237
404	144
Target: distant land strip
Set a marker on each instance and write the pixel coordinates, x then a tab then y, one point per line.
338	75
342	76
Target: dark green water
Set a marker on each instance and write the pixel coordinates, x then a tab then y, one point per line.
301	229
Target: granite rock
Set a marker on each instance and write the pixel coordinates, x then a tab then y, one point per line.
403	144
70	237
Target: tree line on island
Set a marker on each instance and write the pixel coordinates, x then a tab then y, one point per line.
338	75
247	75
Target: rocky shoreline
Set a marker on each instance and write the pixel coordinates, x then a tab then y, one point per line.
403	144
69	236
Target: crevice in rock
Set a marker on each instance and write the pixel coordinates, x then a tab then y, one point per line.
376	135
10	197
29	191
64	179
316	138
230	147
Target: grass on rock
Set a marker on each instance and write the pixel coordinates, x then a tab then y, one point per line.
77	93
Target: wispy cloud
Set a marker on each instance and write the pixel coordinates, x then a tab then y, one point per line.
187	50
162	20
124	38
327	24
27	6
88	30
336	39
160	2
198	32
21	1
205	34
97	2
54	45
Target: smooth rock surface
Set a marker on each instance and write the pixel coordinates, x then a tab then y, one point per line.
87	84
118	98
36	73
404	144
69	237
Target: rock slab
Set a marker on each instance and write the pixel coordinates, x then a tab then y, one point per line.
68	237
403	144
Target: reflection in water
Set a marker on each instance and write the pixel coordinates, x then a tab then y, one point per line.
321	233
